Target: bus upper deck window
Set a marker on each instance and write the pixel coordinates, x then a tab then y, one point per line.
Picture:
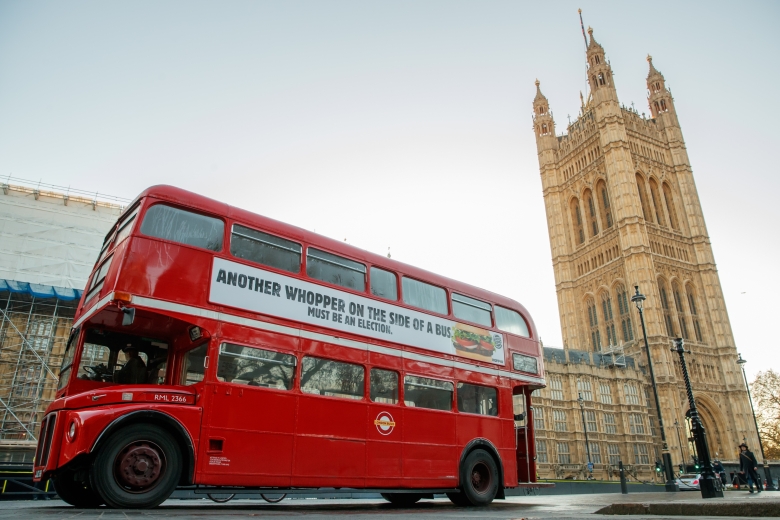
384	284
184	227
511	321
424	295
335	269
470	309
265	249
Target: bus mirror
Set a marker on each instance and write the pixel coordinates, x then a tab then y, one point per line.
128	316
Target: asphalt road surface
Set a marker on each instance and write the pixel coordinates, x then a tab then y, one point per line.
514	508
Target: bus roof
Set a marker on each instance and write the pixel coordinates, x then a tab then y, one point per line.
205	204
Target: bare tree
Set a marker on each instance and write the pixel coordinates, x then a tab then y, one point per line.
766	398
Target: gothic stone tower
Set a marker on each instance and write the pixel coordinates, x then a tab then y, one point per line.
623	210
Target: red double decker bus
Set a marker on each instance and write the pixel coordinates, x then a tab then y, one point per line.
221	350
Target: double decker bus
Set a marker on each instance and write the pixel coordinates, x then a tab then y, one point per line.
226	352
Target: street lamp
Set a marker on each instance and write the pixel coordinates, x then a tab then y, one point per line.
584	427
707	480
770	486
679	441
671	485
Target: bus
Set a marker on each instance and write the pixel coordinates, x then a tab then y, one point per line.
221	351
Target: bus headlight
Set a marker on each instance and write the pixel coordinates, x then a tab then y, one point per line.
72	431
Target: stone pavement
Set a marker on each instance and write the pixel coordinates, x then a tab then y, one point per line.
644	505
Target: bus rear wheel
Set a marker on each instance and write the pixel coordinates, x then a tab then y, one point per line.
76	492
137	468
402	499
479	480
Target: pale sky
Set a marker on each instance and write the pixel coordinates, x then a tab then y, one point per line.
397	124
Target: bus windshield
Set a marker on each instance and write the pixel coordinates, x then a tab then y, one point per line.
117	358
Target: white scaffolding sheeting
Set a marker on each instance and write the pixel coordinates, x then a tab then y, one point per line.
51	238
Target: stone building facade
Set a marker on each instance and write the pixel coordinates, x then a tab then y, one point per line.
623	211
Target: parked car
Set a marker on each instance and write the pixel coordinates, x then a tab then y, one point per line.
689	482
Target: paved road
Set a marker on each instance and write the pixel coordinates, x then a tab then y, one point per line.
514	508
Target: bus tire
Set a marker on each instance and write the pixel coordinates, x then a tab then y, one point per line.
137	468
402	499
78	493
479	478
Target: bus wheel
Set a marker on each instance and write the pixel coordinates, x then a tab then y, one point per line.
479	479
78	493
139	467
402	499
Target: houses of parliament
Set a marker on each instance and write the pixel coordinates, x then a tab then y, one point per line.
623	212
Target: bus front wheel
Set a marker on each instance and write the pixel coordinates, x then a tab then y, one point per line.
479	480
137	468
76	492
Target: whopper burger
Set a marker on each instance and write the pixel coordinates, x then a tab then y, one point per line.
473	342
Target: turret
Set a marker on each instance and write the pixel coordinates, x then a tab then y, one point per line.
600	78
659	98
544	124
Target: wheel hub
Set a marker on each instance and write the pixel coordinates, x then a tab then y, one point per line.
139	466
480	478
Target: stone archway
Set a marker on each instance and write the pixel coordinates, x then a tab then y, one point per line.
714	425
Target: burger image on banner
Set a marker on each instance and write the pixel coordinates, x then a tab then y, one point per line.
473	342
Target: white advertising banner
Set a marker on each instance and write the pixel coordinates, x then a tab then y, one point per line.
249	288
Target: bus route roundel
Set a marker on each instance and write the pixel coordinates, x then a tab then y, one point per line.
384	423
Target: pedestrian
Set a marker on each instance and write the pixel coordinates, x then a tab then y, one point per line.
748	466
720	471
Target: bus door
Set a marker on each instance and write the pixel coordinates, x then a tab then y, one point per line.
384	442
251	419
524	449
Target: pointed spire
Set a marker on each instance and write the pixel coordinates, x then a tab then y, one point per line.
593	43
539	95
653	71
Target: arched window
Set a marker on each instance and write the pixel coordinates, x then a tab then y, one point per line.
640	186
669	199
660	216
678	303
593	321
666	308
694	313
609	321
625	314
590	207
576	220
606	210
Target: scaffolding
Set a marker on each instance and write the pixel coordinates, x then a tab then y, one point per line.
33	333
614	356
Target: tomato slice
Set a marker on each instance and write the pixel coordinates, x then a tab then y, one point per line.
465	343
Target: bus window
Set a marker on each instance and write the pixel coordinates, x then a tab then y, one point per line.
67	359
97	279
470	309
384	386
194	365
481	400
116	358
265	249
523	363
384	284
518	409
125	227
332	378
184	227
255	367
424	296
422	392
335	269
511	321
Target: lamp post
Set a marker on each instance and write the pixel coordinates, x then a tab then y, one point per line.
770	486
679	442
584	427
670	485
707	480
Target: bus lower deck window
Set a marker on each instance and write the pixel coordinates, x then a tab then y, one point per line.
423	392
332	378
194	365
384	386
255	367
482	400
